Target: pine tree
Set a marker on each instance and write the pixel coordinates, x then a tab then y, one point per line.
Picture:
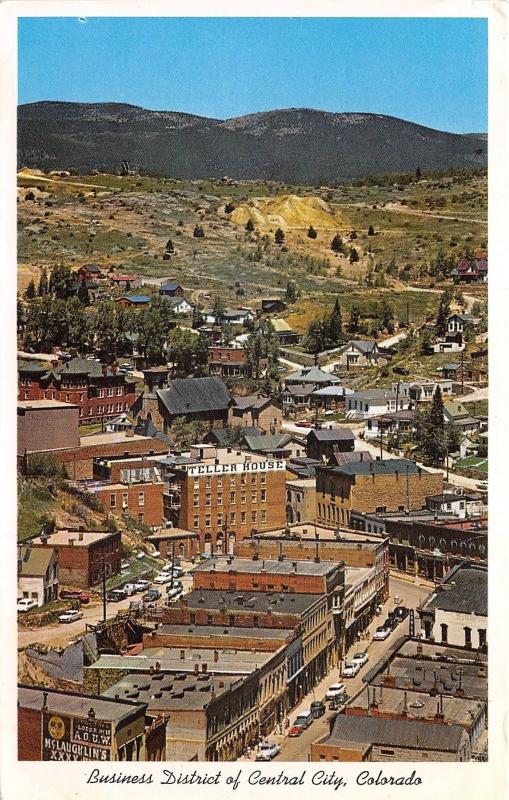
443	312
82	293
43	283
31	291
279	236
354	256
371	231
291	292
337	244
198	232
312	234
250	225
355	315
335	327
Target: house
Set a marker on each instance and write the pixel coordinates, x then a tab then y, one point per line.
323	443
458	323
421	390
456	612
126	281
258	411
453	505
312	376
89	272
133	301
471	270
92	287
394	422
330	398
296	398
373	402
228	361
99	390
179	305
281	445
82	555
456	414
452	343
459	373
285	334
237	316
194	399
37	574
272	305
171	289
361	353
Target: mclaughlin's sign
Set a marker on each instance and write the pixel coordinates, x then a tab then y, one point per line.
66	739
235	469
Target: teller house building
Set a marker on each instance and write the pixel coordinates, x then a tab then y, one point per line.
223	494
395	484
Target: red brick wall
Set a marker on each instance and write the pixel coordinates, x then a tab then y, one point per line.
79	462
29	735
219	640
245	582
82	566
92	407
152	507
178	615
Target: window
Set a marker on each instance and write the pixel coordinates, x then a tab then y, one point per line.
386	752
232	498
207	521
119	391
254	497
125	499
231	620
232	482
196	500
100	393
196	522
482	638
113	500
208	499
243	518
253	516
141	498
208	481
219	520
90	412
220	498
209	619
263	515
263	497
110	391
468	637
444	629
243	497
232	517
140	517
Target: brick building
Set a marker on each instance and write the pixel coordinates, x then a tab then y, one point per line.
323	443
174	541
300	500
141	500
46	425
81	555
391	485
192	399
258	411
223	494
100	391
228	361
55	725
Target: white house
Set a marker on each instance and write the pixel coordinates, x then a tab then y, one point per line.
37	574
456	613
457	323
179	305
372	403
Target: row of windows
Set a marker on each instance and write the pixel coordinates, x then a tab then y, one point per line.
233	498
232	517
233	480
125	499
331	513
110	408
472	548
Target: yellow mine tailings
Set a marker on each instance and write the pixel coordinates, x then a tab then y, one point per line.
287	211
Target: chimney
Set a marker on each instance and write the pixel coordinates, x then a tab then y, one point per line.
182	655
104	369
80	536
404	713
91	713
204	667
71	542
45	700
158	666
216	656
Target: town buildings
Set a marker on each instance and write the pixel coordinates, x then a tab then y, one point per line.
82	555
205	400
100	391
47	425
258	411
323	443
37	574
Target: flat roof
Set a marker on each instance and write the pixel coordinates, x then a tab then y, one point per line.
222	564
185	659
179	692
62	537
78	705
350	730
419	705
110	437
238	632
263	602
354	575
306	531
39	405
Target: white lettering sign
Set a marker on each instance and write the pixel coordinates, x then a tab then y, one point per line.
274	465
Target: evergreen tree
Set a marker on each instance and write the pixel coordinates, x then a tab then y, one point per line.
279	236
371	231
335	327
291	292
82	293
355	315
218	309
337	244
418	173
170	247
43	283
250	225
443	312
312	234
198	232
31	291
229	207
354	256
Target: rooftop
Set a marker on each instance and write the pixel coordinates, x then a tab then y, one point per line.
78	705
418	705
312	375
331	434
34	561
64	537
39	405
464	590
205	631
408	734
387	467
221	564
263	602
180	692
194	395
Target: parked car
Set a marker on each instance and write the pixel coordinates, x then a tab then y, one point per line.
335	690
360	658
70	616
317	708
350	669
115	595
338	701
70	594
176	585
136	605
401	370
141	585
124	565
25	604
152	594
141	555
401	613
267	751
173	593
129	589
381	633
295	730
163	577
305	718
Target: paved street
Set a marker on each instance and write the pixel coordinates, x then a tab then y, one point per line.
410	594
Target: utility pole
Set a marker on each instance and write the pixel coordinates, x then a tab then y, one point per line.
104	589
408	313
462	371
407	488
381	450
396	421
172	563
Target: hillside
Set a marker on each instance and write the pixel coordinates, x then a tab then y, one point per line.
286	211
296	146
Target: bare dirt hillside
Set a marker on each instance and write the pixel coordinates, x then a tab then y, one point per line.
287	212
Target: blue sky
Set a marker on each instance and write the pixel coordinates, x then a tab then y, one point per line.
430	71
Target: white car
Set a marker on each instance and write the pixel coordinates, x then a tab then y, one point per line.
24	604
172	594
163	577
267	751
141	555
381	634
142	585
360	658
130	589
351	669
70	616
335	690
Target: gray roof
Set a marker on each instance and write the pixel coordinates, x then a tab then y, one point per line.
387	467
270	566
83	366
465	591
235	631
195	395
267	441
162	691
331	434
222	435
373	394
360	344
78	704
300	388
312	375
396	733
251	401
279	603
333	391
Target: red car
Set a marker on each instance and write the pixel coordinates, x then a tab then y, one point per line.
296	730
69	594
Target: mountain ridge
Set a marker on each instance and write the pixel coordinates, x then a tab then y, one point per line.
293	145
